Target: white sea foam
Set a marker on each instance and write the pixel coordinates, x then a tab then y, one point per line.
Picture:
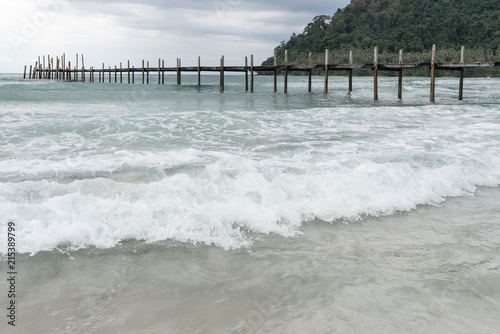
226	198
222	171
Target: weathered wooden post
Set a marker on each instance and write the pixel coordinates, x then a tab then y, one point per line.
433	72
326	71
375	73
35	69
76	67
83	69
143	71
116	74
222	72
462	70
309	83
133	74
199	71
24	77
50	67
68	75
128	71
103	73
178	71
350	71
163	71
275	73
43	69
64	75
246	73
159	71
400	75
147	72
251	73
286	73
31	68
109	74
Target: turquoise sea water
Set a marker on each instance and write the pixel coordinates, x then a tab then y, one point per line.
203	211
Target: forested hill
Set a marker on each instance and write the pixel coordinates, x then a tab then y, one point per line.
411	25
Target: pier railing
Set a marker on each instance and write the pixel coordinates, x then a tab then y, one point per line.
60	69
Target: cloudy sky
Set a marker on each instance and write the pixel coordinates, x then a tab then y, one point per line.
115	31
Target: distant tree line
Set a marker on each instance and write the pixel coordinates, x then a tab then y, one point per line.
391	25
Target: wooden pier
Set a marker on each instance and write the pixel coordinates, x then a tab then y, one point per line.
60	69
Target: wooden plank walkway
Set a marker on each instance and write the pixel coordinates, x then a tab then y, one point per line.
63	70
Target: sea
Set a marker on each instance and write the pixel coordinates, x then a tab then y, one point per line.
146	208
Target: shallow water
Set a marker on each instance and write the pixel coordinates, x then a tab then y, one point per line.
167	209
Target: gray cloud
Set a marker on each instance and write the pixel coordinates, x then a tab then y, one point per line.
109	30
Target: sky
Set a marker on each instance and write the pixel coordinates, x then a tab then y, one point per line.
115	31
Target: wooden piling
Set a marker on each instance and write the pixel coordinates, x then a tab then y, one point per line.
251	73
462	70
76	66
375	73
128	72
286	73
400	76
143	71
309	82
350	71
109	74
44	75
222	72
159	71
199	71
326	71
24	77
178	71
121	73
83	67
31	68
275	73
68	74
163	72
133	75
64	66
433	72
116	74
147	72
246	73
103	73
